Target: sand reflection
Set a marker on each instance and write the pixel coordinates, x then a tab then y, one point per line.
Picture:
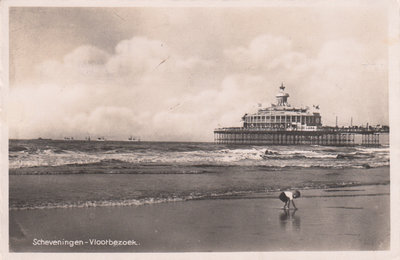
289	221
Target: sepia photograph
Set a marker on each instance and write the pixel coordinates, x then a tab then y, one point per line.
196	128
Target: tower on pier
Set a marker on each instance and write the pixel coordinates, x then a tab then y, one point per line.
282	97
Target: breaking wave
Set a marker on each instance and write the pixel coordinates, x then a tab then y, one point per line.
59	153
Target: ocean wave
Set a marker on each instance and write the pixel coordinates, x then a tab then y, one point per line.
297	156
17	148
123	202
22	156
196	169
114	166
101	203
354	155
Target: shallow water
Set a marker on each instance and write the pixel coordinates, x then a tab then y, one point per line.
62	174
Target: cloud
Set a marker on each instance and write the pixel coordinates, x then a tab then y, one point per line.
137	56
347	87
260	51
338	77
109	94
85	56
146	88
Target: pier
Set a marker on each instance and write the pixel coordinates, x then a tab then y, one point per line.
283	124
325	136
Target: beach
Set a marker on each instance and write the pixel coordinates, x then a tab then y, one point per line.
348	218
77	196
143	127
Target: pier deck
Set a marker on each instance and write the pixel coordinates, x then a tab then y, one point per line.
323	136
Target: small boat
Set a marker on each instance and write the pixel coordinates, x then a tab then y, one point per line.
134	139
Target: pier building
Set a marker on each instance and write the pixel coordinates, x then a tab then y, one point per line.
282	124
283	116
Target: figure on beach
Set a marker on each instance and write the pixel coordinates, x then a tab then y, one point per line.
288	196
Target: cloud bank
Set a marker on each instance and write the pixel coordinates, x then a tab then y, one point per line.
146	88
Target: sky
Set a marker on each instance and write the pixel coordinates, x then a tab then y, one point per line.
177	73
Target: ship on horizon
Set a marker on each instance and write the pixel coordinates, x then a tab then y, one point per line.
134	139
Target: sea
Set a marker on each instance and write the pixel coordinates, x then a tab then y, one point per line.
47	174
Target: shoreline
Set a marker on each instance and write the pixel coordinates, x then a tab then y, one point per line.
349	218
229	195
82	190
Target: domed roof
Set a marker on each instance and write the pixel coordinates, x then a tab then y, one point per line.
282	93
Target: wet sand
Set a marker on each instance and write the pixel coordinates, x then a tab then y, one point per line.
351	218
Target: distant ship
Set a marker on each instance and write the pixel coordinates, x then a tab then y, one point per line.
134	139
44	139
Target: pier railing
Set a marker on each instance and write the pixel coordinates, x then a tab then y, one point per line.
322	129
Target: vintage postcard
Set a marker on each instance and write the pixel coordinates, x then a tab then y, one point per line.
200	127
